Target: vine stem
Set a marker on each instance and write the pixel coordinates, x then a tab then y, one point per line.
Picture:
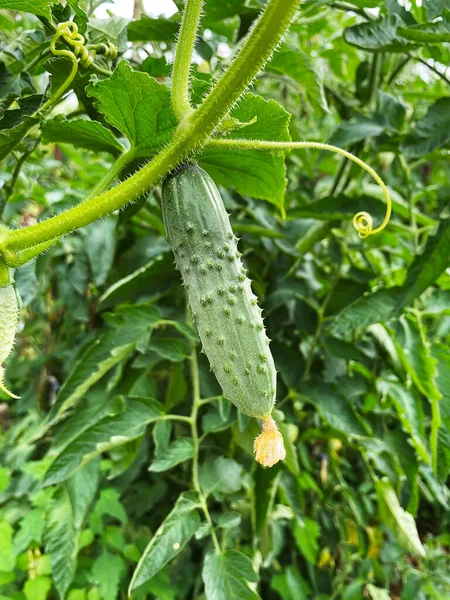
4	279
362	221
196	403
182	65
191	134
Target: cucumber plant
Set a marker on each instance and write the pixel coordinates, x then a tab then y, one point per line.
194	130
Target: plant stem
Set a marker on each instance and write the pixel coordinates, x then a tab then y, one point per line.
175	418
191	135
196	403
254	54
183	56
399	67
432	68
315	234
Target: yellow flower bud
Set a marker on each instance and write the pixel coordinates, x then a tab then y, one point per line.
269	446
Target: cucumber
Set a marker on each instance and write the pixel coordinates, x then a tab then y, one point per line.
9	314
223	306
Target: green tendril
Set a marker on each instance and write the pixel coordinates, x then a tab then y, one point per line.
362	221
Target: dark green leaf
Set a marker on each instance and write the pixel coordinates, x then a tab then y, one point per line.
16	123
221	475
104	354
169	540
300	67
104	435
138	106
61	542
334	409
36	7
306	535
398	520
380	35
81	133
179	451
431	132
153	30
410	413
226	576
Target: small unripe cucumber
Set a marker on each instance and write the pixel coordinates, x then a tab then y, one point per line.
9	314
223	305
8	321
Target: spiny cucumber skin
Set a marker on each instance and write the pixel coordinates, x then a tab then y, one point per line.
223	305
9	314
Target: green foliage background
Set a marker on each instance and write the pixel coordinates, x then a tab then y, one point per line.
95	482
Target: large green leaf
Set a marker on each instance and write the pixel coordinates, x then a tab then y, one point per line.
148	29
36	7
400	522
300	67
335	409
180	450
138	106
107	434
410	412
81	133
380	35
413	349
169	540
227	576
114	346
431	132
252	172
61	542
220	475
429	33
12	86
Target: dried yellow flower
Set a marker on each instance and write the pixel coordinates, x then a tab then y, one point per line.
269	446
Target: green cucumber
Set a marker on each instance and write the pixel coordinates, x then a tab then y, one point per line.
9	315
223	305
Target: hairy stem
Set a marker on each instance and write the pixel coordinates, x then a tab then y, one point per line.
183	56
191	135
